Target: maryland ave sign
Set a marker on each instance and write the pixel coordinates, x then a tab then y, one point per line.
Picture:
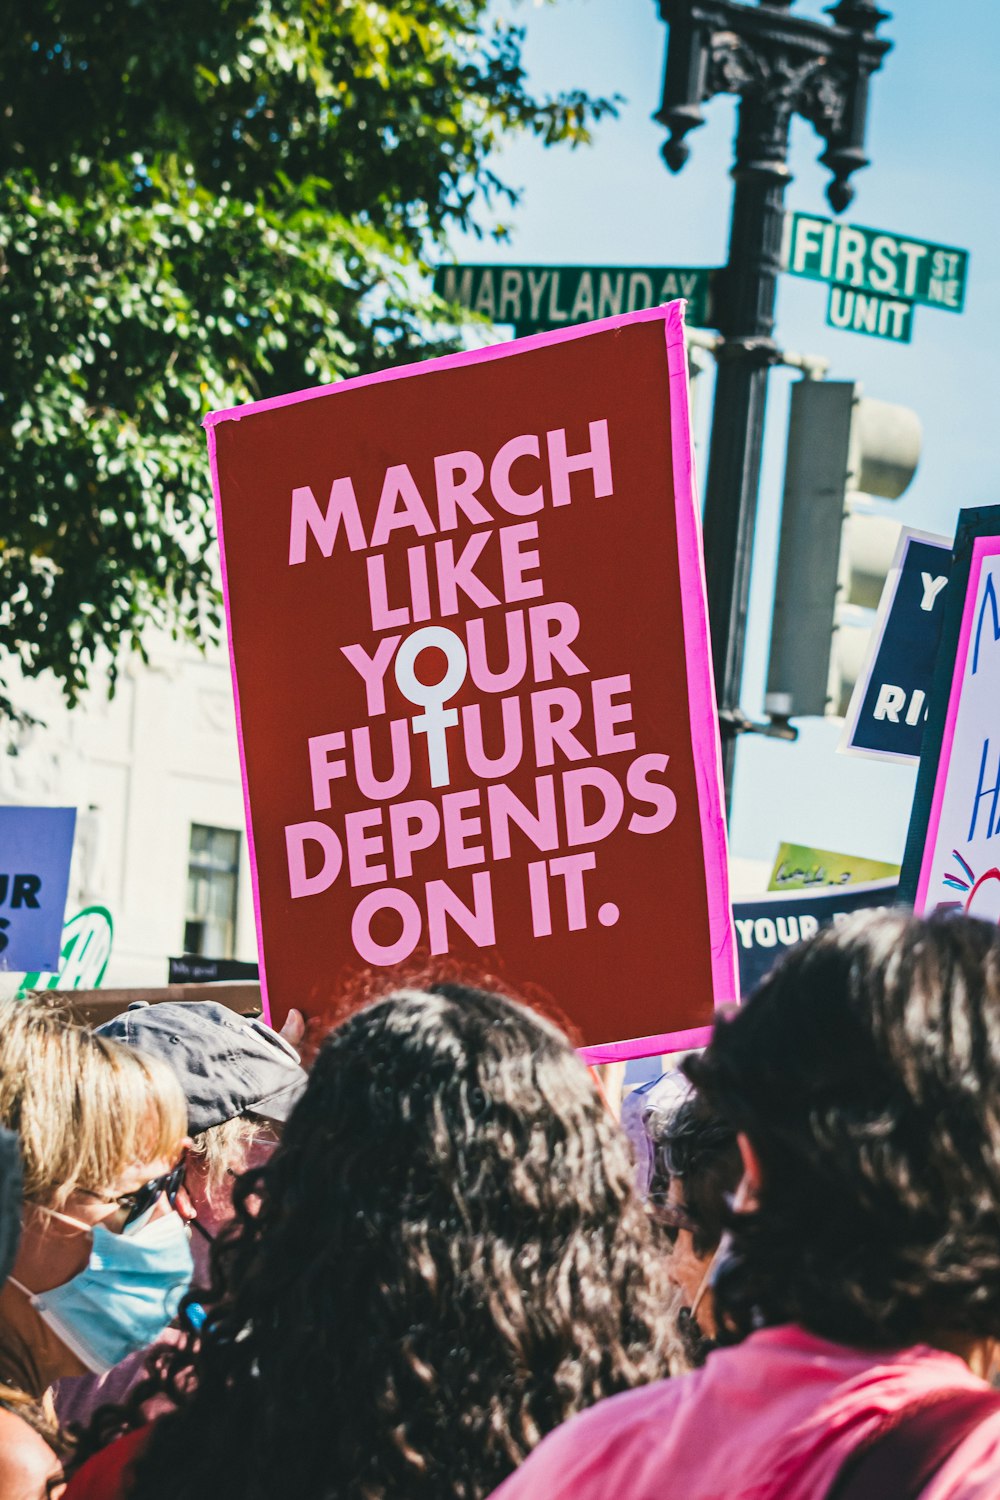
537	298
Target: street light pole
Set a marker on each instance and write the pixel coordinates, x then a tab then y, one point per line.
780	65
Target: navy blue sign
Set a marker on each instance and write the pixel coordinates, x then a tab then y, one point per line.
889	705
36	844
767	926
193	969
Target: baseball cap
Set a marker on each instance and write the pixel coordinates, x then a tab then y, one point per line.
228	1064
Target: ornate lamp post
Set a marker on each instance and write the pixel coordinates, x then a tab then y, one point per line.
780	65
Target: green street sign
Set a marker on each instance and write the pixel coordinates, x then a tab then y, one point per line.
866	312
538	298
873	260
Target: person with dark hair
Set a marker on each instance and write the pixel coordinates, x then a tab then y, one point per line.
443	1260
696	1170
860	1291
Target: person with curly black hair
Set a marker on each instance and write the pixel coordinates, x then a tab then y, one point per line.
860	1289
443	1260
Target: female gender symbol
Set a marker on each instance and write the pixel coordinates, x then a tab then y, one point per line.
436	718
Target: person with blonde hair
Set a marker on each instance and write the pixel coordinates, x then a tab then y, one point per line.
103	1259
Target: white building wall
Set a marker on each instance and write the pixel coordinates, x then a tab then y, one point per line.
140	770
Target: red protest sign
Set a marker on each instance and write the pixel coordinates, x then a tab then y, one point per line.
471	663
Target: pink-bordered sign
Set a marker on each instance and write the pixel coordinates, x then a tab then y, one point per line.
586	436
953	852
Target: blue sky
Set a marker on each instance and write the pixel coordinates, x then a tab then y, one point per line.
931	134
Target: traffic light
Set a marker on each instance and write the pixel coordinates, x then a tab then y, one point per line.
835	551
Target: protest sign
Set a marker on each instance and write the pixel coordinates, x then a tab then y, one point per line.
82	956
36	846
800	868
767	925
470	653
952	847
888	707
190	968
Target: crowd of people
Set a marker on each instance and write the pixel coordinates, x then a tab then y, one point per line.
437	1264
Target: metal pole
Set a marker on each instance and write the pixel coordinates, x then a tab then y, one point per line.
746	294
781	65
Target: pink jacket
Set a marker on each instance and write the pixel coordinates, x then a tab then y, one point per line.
771	1419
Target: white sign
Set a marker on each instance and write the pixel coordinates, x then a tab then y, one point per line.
961	858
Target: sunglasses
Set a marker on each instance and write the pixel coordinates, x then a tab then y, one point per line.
138	1205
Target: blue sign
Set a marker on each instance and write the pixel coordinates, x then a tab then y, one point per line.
767	926
889	704
36	845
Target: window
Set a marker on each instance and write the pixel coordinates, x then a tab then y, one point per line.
213	875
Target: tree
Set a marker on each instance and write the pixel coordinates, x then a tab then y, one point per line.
204	204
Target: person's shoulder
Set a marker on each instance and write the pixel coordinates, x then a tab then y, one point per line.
972	1472
27	1463
587	1457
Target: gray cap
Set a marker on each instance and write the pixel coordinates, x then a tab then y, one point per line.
228	1064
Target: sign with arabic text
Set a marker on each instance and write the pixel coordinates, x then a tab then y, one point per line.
799	868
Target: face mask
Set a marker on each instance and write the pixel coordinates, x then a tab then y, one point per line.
125	1296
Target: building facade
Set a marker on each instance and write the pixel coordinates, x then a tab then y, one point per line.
154	775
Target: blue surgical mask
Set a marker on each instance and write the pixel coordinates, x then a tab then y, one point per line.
125	1296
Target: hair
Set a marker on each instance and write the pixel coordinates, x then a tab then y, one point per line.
83	1107
223	1152
698	1147
443	1260
864	1071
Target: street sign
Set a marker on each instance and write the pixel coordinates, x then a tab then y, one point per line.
866	312
874	260
536	299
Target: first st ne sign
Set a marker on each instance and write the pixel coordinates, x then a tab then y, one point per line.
873	260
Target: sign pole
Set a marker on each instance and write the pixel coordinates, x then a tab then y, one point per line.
780	65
